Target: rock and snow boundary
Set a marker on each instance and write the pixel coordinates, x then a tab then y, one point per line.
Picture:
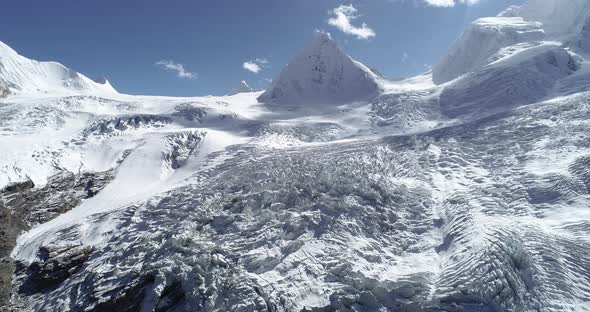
464	189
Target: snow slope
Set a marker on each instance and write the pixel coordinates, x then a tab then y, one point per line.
559	18
322	74
470	195
489	35
21	75
527	76
534	21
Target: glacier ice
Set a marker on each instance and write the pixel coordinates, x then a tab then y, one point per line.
463	189
489	35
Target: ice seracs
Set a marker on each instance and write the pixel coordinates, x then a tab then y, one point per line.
467	196
526	77
322	74
19	74
517	28
484	38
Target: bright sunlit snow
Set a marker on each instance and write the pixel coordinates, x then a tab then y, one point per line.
465	188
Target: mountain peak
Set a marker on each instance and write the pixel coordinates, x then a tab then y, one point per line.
323	39
241	88
19	74
322	74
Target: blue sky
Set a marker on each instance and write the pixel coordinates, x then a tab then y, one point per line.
139	44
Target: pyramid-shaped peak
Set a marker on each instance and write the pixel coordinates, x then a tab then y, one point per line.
322	74
324	36
324	39
323	45
242	87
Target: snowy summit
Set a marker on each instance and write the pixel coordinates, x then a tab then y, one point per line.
464	189
322	74
241	88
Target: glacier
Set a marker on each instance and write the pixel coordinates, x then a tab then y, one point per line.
466	188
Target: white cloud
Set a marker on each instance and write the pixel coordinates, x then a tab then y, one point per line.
449	3
342	19
255	66
442	3
181	72
251	66
405	57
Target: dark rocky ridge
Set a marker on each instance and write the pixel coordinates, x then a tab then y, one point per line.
22	206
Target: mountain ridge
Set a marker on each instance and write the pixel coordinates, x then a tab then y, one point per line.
19	74
471	194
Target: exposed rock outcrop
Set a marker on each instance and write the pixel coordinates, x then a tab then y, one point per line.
23	206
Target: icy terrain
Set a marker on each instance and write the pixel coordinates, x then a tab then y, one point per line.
463	189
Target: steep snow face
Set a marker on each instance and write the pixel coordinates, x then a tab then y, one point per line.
558	17
322	74
470	196
493	88
484	38
21	75
536	20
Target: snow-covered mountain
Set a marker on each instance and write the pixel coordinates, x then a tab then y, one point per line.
464	189
20	75
322	74
537	22
241	88
490	35
559	19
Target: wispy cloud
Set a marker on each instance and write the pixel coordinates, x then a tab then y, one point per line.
261	61
342	19
442	3
251	66
449	3
405	57
256	65
181	72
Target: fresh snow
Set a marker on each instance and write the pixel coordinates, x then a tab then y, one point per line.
559	18
322	74
21	75
534	21
461	188
489	35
